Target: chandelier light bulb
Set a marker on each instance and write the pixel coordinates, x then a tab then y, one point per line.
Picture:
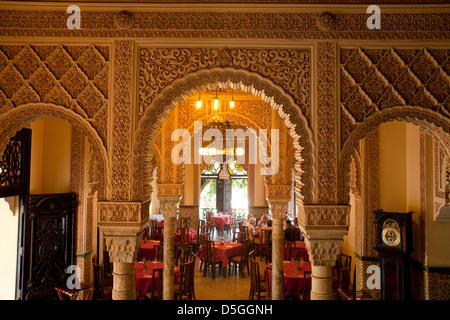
231	104
199	104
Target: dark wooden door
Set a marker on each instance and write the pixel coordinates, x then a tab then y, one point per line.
48	243
223	195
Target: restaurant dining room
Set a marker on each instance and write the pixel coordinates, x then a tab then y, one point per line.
259	151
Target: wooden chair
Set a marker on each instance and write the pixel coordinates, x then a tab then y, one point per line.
156	293
240	260
240	237
292	252
65	293
159	233
184	222
229	226
211	260
101	291
108	266
266	245
202	244
305	293
184	289
343	261
257	284
194	244
159	252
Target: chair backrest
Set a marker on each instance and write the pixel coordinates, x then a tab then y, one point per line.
210	250
254	273
306	288
186	276
244	229
245	251
184	222
240	237
344	278
266	236
157	288
98	281
344	261
159	233
160	252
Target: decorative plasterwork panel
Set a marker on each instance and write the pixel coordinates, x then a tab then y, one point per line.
75	77
375	79
288	68
326	122
122	130
121	213
214	24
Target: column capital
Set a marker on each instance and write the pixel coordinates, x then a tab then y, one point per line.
169	192
278	192
324	227
122	247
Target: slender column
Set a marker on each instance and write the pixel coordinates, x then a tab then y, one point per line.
324	227
123	253
278	212
169	199
278	197
169	210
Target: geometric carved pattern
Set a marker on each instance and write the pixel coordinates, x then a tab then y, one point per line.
75	77
375	79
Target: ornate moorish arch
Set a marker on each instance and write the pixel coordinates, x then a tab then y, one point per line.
16	118
202	80
435	124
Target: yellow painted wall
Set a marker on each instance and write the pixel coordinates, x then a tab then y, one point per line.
400	189
437	235
50	156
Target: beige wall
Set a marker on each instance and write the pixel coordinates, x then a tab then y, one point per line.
50	156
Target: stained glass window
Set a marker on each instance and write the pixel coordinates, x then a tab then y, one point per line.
213	168
236	169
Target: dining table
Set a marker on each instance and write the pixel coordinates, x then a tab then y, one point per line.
221	220
148	249
224	251
293	272
144	276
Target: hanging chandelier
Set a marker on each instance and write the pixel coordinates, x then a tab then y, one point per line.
217	104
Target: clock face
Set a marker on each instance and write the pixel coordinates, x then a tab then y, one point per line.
391	233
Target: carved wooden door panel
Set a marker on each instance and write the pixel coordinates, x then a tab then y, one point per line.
49	243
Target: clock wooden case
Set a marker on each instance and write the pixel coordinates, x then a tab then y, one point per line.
393	242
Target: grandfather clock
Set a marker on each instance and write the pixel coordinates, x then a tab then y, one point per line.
393	242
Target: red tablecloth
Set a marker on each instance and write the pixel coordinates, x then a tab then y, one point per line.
298	244
147	249
144	278
221	220
192	234
293	276
225	251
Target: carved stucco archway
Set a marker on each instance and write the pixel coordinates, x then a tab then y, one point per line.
275	96
17	118
435	124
